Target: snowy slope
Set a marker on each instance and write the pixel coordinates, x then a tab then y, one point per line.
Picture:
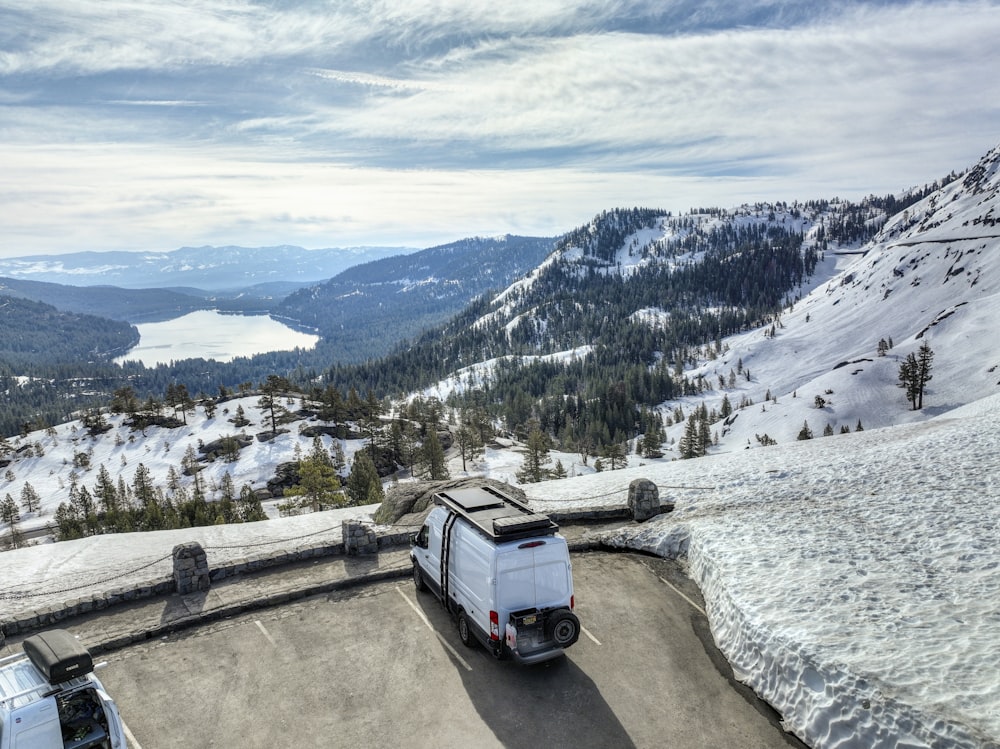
54	462
851	580
932	275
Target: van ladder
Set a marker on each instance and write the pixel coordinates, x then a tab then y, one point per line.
445	558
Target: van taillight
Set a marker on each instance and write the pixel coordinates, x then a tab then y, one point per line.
494	625
572	601
531	544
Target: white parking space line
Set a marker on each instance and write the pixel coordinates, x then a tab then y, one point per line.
437	634
587	632
265	632
130	738
678	592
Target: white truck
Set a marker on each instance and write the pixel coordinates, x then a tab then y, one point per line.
502	570
50	698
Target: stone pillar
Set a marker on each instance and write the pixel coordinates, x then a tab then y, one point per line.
359	539
190	568
643	499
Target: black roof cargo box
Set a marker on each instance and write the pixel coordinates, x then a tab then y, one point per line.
58	655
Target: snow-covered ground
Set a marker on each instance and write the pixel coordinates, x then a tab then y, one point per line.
852	581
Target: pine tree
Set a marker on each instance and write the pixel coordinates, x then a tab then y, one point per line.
8	510
270	392
68	523
615	455
30	500
469	445
318	486
559	471
432	457
805	433
364	483
371	422
726	408
227	499
337	457
915	373
690	443
536	457
249	508
651	440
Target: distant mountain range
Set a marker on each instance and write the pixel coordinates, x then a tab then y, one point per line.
212	269
639	315
361	311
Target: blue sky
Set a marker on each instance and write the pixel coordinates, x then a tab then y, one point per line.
148	125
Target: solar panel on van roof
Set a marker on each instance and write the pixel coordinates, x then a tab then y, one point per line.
474	499
497	515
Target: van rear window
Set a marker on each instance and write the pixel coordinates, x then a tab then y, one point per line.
534	586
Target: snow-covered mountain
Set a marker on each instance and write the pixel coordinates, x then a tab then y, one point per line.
931	275
851	580
208	268
831	358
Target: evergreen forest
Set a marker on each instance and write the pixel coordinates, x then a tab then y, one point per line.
708	279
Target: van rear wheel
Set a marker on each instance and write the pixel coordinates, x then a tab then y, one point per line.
465	631
418	578
563	627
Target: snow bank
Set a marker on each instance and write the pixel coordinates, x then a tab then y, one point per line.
852	581
43	575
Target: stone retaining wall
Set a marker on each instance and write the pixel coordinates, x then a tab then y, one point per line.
49	614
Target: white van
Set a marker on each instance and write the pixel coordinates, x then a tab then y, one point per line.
502	570
50	698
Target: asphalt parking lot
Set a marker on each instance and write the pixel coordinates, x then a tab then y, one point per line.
383	666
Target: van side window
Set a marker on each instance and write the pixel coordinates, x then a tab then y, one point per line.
422	538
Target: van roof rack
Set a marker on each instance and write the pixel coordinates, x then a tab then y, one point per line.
496	514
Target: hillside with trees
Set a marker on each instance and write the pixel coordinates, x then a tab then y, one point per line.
33	332
366	310
636	292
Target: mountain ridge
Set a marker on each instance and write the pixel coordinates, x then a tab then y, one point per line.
212	268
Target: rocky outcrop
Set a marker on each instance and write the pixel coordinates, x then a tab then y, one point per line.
406	504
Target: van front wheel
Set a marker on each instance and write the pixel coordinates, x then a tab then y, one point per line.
418	578
563	627
465	631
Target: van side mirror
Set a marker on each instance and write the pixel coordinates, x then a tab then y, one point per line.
419	539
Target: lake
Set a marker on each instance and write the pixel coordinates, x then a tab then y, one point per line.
211	335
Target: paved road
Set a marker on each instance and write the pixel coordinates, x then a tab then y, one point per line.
383	666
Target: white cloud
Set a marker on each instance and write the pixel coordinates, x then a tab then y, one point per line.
237	122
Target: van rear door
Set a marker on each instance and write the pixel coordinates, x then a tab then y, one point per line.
534	574
115	728
36	726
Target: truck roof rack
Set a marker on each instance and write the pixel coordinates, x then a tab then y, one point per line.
496	514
